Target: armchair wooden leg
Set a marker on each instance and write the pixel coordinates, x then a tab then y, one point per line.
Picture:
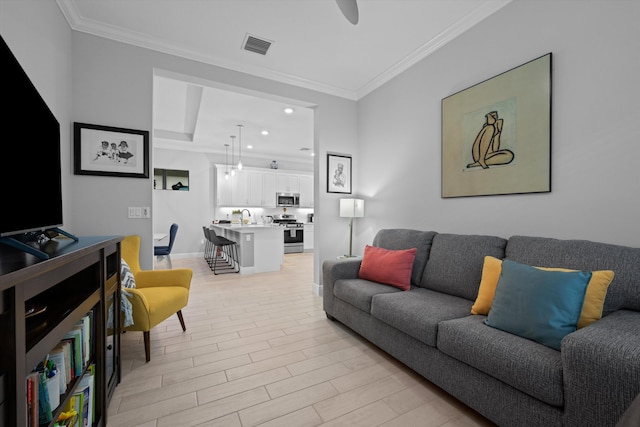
147	345
179	313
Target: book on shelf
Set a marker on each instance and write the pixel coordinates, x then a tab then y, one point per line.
75	335
32	399
87	324
57	357
88	384
70	414
44	406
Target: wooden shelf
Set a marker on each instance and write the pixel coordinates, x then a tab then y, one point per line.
78	278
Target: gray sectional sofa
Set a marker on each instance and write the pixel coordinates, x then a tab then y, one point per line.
511	380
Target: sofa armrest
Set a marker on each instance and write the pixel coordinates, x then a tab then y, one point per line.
601	368
332	270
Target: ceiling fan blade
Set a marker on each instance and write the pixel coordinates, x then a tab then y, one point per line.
349	9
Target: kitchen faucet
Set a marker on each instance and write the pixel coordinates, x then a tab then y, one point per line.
242	214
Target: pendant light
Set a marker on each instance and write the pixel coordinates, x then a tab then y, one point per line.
226	161
239	147
233	161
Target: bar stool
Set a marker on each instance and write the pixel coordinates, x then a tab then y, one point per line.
223	256
208	246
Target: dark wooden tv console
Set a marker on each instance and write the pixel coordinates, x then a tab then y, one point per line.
80	277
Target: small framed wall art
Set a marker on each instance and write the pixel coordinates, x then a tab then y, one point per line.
110	151
496	135
338	174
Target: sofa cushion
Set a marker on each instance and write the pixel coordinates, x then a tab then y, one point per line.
401	238
455	263
358	292
417	312
537	304
525	365
387	266
593	300
585	255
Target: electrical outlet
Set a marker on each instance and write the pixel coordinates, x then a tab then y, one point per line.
146	212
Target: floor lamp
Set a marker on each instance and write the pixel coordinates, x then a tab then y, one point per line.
351	208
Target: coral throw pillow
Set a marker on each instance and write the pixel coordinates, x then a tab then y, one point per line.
391	267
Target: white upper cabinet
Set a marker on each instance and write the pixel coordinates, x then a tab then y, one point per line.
269	190
257	187
223	188
288	183
306	191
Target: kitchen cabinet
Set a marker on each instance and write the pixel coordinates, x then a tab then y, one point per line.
240	188
308	237
257	187
306	191
268	189
255	191
288	183
223	188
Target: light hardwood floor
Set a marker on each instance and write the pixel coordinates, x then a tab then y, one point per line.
259	350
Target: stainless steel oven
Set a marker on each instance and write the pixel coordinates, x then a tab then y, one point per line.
293	239
293	233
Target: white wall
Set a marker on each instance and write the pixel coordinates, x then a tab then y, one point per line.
595	135
189	209
113	85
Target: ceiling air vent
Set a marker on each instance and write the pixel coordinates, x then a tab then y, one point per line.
256	45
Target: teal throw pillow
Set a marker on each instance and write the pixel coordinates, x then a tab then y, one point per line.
540	305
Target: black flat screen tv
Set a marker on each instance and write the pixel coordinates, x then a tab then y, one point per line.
31	174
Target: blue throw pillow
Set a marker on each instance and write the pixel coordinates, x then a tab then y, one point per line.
540	305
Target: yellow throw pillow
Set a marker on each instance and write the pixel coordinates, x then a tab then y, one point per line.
593	299
490	275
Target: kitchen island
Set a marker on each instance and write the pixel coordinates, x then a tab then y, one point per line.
260	247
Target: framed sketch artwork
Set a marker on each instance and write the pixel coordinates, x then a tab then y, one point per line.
338	174
110	151
496	135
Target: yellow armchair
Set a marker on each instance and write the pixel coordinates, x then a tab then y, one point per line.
157	294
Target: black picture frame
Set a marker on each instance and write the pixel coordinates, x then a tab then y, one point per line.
496	135
339	173
126	153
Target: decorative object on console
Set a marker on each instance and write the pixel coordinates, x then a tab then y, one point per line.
110	151
338	174
351	208
496	135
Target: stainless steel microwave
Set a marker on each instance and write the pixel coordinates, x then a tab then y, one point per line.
288	199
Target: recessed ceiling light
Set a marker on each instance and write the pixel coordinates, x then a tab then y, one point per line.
313	154
249	146
288	110
265	132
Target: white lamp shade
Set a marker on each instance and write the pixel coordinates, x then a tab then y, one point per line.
352	208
